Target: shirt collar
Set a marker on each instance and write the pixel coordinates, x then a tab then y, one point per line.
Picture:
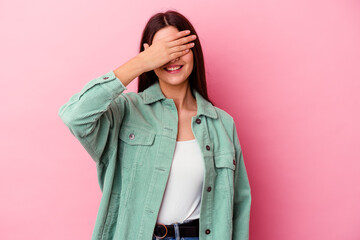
153	93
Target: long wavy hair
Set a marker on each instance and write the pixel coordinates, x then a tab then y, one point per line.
197	78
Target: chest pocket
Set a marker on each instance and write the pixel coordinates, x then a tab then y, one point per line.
225	161
134	144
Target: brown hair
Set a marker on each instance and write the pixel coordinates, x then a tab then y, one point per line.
197	78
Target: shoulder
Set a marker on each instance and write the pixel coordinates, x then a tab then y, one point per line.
132	98
224	116
227	123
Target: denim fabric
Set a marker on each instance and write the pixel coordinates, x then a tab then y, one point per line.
131	138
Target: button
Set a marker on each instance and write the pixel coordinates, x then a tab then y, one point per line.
207	147
209	189
207	231
106	78
198	121
131	136
234	162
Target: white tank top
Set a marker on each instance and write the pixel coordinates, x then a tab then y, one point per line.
182	197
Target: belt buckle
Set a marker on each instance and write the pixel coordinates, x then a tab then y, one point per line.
166	231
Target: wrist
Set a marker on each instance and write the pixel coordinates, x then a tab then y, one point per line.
141	63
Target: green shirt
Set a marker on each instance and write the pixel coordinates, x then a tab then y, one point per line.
132	136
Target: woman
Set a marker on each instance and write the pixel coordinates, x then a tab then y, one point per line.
169	162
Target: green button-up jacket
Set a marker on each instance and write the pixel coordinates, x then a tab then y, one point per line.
132	136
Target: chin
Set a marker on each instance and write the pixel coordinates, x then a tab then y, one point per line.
172	81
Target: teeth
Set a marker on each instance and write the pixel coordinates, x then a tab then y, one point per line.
173	69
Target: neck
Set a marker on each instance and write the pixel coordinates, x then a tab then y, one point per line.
181	94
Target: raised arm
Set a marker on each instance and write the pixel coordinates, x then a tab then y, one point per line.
94	114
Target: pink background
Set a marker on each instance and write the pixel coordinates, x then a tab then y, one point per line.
287	71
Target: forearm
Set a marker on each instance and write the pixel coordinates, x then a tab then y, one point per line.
129	70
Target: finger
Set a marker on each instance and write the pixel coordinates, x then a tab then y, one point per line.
182	47
182	41
177	35
178	54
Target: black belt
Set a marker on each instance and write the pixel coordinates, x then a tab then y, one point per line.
188	229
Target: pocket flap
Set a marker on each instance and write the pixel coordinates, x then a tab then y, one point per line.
136	136
225	160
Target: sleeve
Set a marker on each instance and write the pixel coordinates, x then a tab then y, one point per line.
242	194
94	114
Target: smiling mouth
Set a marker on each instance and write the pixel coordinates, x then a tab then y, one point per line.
174	69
